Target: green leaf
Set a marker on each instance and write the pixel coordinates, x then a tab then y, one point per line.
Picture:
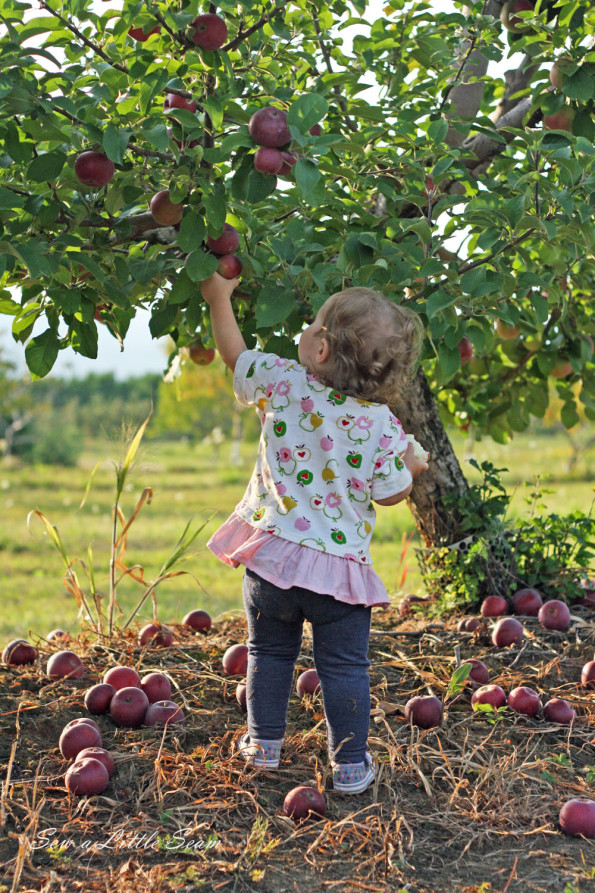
156	135
273	306
41	353
214	109
307	110
182	290
307	177
84	338
569	414
200	265
438	130
46	167
249	185
192	232
580	85
437	301
115	142
450	360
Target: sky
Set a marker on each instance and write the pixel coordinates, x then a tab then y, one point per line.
141	353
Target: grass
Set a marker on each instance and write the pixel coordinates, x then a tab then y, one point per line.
194	482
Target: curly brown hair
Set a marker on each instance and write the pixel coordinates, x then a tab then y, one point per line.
374	345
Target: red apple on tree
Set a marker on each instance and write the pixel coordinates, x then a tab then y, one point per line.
198	620
524	700
128	707
86	777
226	243
141	35
173	101
268	161
465	349
316	130
229	266
94	168
510	19
527	602
561	370
289	160
268	127
164	211
302	801
18	653
507	332
209	31
200	354
560	120
554	614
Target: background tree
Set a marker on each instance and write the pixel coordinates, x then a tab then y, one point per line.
471	191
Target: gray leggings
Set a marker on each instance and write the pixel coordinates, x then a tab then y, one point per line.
340	638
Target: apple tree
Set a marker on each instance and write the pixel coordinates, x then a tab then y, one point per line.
136	141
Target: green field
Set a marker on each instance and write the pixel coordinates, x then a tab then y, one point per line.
192	482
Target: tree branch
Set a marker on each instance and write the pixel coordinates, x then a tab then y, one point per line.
88	43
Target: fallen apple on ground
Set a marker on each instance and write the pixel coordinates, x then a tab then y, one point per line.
156	634
57	635
19	652
577	817
163	713
300	802
507	631
479	673
308	682
86	777
241	697
559	710
494	606
98	697
198	620
424	711
489	694
65	665
156	686
76	738
121	677
554	614
128	707
469	624
235	660
527	602
101	754
82	719
588	674
524	700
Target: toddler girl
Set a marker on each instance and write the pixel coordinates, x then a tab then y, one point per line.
329	448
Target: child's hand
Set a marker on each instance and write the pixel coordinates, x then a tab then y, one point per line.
416	466
216	288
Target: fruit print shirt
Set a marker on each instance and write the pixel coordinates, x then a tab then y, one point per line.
323	456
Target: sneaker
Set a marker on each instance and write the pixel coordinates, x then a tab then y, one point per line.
353	778
258	752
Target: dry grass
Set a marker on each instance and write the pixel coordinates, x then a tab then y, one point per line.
469	806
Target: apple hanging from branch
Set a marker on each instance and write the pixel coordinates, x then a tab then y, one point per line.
268	128
94	169
209	31
164	211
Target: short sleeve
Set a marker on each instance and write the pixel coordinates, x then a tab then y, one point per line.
390	475
256	374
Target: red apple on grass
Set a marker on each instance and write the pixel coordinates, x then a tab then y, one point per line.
18	653
554	614
489	694
155	634
235	660
226	243
94	169
577	817
209	31
494	606
173	101
198	620
76	737
527	602
479	674
98	697
308	682
86	777
200	354
300	802
164	211
465	349
163	713
507	631
524	700
588	674
156	686
469	624
82	720
57	635
101	754
122	677
268	127
128	707
559	710
229	266
424	711
142	35
65	665
241	697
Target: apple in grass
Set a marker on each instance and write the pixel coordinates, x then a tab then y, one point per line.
57	635
98	697
209	31
489	694
241	697
308	683
300	802
163	713
200	354
122	677
75	738
507	631
155	634
173	101
554	614
268	127
527	602
18	653
226	243
479	674
128	707
469	624
86	720
524	700
235	660
101	754
198	620
156	686
87	776
164	211
465	349
577	817
65	665
494	606
588	674
94	169
559	710
229	266
424	711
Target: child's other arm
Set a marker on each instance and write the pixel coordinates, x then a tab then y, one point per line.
217	292
415	466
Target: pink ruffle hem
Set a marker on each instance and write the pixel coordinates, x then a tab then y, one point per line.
287	564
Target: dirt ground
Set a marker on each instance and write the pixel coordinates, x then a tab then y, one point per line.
470	806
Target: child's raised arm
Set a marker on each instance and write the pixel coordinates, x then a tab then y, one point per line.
217	292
